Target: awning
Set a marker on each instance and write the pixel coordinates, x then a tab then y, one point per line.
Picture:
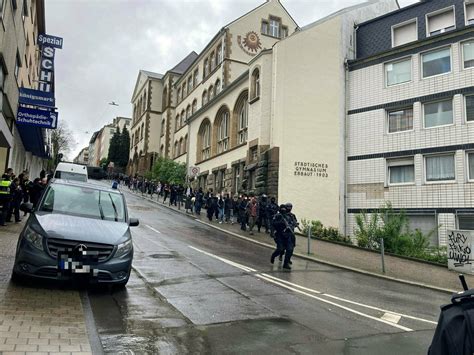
32	138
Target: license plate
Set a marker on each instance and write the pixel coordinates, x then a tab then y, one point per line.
80	262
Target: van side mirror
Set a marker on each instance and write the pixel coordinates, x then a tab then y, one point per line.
26	207
133	222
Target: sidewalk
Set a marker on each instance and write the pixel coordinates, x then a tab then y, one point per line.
35	320
362	261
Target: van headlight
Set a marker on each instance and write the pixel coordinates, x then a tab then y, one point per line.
33	237
124	248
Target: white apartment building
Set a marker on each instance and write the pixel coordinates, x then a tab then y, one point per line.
410	121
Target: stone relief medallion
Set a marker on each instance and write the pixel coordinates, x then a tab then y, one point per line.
250	43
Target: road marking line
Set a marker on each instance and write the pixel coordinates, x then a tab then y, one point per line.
390	317
298	288
233	263
153	229
351	302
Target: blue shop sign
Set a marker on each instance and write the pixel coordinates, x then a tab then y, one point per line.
36	97
50	41
36	117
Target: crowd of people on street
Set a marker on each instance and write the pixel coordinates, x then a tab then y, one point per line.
249	212
15	190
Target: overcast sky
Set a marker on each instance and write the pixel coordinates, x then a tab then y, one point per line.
106	43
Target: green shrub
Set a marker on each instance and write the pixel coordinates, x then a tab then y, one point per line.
327	233
393	227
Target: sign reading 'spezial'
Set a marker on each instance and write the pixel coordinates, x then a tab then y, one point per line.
51	41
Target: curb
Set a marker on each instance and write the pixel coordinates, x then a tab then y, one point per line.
307	257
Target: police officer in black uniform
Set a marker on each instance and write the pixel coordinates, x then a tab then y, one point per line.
271	210
284	236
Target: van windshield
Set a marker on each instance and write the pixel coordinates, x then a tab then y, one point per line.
83	202
67	175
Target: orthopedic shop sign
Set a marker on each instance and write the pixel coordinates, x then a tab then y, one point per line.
37	106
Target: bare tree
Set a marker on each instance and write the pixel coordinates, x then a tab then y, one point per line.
62	140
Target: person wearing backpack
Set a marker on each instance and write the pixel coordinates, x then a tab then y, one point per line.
454	334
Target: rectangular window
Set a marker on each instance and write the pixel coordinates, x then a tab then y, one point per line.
436	62
440	22
401	171
24	13
470	13
470	108
2	8
206	66
398	72
468	54
284	32
17	65
438	113
236	179
440	168
265	27
2	77
466	221
274	28
404	33
196	77
470	162
190	84
400	120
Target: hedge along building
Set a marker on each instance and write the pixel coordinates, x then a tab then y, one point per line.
277	124
410	117
153	108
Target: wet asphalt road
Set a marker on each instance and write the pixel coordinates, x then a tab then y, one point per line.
198	290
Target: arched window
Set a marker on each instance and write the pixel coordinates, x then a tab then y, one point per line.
139	107
165	98
204	140
255	84
204	97
211	92
242	116
143	129
181	146
183	90
194	107
218	87
179	95
133	138
188	112
223	121
185	144
162	150
177	122
176	149
137	137
144	102
162	127
183	117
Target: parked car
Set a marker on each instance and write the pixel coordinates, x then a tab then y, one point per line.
78	230
70	171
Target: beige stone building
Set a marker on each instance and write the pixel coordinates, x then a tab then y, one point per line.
19	67
261	110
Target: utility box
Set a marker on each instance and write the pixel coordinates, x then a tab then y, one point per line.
460	249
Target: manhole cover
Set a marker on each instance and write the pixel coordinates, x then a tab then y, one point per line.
162	256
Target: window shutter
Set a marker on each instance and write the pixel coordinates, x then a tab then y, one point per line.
470	11
405	34
441	21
